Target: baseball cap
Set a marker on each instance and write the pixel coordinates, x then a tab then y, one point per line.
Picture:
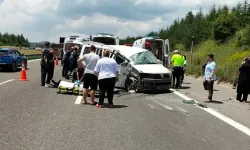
176	51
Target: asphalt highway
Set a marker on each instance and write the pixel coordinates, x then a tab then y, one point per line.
38	118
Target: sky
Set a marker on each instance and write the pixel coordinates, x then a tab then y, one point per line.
41	20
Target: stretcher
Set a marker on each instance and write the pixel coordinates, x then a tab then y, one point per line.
72	88
76	88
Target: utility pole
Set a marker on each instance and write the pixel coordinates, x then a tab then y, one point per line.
191	56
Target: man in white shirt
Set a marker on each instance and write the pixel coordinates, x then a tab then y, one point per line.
89	78
107	71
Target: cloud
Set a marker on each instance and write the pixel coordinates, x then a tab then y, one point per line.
42	20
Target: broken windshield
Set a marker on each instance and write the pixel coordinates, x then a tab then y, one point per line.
145	57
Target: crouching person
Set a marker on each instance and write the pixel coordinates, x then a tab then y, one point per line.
78	73
107	71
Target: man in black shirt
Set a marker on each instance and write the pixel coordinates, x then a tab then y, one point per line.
74	58
47	65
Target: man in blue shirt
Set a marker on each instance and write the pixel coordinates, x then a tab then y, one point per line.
210	76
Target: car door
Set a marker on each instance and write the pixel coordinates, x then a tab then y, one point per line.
123	66
166	60
19	58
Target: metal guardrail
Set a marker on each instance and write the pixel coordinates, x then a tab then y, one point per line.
33	56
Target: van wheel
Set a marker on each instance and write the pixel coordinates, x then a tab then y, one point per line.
131	86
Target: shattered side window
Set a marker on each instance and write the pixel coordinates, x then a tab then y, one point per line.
145	57
100	53
86	50
119	59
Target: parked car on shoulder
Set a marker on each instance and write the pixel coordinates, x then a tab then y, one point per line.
11	59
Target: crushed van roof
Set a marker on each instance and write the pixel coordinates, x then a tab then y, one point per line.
126	50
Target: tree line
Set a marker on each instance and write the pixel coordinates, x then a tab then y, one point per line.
19	40
220	24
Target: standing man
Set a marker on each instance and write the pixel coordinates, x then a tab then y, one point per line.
210	76
177	63
66	64
73	58
90	79
47	65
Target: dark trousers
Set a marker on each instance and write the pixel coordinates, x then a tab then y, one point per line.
106	85
240	94
65	70
72	67
210	87
47	71
242	90
182	76
177	71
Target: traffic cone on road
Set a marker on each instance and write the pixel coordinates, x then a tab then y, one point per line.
23	76
57	61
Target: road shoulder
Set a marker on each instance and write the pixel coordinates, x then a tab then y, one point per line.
224	99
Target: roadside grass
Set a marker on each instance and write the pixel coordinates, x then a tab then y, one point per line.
25	50
227	57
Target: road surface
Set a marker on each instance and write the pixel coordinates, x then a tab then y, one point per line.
37	118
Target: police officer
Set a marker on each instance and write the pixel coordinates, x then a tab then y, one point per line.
47	65
177	65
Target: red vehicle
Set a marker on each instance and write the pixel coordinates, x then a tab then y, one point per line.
128	45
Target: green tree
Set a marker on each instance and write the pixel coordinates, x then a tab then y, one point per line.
7	39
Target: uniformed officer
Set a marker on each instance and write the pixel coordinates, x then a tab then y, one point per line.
47	65
177	65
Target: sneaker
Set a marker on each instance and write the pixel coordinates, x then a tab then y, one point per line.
47	85
99	106
111	106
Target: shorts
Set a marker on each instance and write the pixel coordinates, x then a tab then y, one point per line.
90	80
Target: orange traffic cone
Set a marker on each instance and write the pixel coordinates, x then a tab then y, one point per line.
23	76
56	61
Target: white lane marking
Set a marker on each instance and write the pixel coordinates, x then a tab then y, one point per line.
151	106
181	95
233	123
222	117
6	81
33	60
78	100
165	106
183	110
